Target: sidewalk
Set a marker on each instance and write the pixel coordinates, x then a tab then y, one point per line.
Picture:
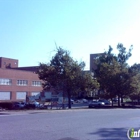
34	111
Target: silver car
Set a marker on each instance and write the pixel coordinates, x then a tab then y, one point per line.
96	104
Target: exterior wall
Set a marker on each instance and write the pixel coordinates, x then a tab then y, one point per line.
33	68
8	63
92	60
15	75
9	70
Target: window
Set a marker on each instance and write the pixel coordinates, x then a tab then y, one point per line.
22	82
36	83
5	81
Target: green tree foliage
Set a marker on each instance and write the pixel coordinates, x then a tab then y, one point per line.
134	72
63	73
112	73
88	82
134	69
123	55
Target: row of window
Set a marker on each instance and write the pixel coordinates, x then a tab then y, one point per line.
7	95
19	82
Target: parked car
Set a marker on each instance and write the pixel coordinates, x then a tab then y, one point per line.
72	101
105	101
81	101
78	101
19	105
96	104
85	100
36	104
33	105
115	100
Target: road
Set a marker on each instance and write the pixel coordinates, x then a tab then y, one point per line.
75	124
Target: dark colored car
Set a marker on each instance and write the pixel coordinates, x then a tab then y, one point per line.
19	105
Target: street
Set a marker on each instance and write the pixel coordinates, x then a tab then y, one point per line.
75	124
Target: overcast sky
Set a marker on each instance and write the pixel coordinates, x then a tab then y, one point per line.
30	28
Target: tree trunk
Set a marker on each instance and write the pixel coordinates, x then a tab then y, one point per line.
118	101
121	100
69	99
112	102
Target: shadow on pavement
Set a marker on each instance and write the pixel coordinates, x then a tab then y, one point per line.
4	113
111	133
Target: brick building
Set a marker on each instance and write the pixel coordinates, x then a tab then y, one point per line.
17	82
93	57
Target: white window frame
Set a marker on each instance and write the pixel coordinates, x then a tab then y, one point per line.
36	83
22	82
5	81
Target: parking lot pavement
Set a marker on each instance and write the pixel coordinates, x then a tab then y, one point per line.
73	124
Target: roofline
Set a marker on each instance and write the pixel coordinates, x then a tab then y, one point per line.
17	70
8	58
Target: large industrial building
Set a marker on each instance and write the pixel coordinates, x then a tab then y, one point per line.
16	83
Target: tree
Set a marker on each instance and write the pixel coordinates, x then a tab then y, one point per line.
134	72
88	82
63	73
108	76
112	73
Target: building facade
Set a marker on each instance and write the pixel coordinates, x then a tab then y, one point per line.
93	58
16	83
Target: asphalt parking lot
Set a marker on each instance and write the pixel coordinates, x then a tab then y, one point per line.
74	124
